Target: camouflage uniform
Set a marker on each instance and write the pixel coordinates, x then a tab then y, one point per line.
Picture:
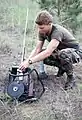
63	59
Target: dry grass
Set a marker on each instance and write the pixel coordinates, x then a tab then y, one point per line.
55	104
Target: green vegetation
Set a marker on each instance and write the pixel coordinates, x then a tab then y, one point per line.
14	12
67	11
13	17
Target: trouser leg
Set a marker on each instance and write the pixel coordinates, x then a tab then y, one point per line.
53	60
67	58
64	61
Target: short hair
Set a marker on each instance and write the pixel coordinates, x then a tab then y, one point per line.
44	17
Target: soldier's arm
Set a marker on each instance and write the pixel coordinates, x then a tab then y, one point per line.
40	56
37	49
44	54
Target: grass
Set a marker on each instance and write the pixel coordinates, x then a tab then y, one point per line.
80	87
14	12
14	15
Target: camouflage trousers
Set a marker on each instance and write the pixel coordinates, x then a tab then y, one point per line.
63	59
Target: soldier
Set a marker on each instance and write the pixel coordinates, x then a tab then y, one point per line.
60	52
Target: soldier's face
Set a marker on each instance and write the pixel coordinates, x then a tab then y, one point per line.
43	28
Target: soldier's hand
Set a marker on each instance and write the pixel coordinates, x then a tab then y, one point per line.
24	65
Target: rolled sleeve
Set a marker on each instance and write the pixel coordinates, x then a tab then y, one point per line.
57	35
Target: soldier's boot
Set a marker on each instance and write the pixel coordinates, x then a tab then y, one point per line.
43	75
67	65
70	82
70	76
60	72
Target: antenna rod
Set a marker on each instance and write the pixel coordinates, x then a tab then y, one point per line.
23	51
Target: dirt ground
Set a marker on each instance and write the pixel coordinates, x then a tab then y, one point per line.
55	104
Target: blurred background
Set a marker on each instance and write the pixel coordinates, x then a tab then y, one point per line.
55	104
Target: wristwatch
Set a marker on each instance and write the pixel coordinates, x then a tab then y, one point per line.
30	61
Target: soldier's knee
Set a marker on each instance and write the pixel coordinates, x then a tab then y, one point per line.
64	57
